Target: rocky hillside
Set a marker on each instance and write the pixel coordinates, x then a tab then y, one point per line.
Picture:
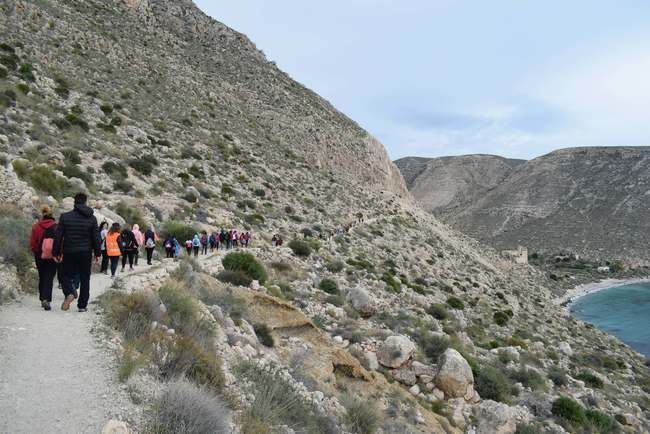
396	325
586	200
442	185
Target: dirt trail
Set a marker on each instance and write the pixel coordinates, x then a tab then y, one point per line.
55	375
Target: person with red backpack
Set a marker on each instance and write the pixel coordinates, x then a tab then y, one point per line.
41	243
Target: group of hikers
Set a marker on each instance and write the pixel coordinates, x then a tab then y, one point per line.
203	242
66	249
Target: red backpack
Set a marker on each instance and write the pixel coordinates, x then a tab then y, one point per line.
47	243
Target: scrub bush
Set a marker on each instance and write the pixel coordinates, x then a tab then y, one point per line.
246	263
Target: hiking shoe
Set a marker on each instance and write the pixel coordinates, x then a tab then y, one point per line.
66	303
46	305
75	294
83	309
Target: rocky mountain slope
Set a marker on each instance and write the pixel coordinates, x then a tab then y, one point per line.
587	200
167	116
443	184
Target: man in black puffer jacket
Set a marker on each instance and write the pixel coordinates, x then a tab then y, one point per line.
77	237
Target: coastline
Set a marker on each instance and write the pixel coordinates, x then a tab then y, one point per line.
580	291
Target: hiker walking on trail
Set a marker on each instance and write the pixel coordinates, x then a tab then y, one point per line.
188	247
113	251
196	244
177	248
223	238
41	243
139	238
129	247
77	238
169	247
150	242
235	238
204	243
212	241
103	231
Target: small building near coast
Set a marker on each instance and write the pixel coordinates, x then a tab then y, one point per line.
518	256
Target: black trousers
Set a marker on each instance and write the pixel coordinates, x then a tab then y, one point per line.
196	251
149	254
80	263
129	256
104	261
115	260
204	249
46	272
170	253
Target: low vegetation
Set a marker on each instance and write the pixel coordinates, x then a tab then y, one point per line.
246	263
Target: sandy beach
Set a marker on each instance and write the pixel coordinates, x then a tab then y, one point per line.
588	288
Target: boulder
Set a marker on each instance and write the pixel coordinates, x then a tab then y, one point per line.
455	377
361	302
115	427
565	348
405	376
498	418
395	351
9	282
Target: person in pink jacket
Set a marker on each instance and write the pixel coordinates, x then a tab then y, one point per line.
139	238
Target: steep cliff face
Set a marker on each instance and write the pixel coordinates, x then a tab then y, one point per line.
443	184
173	63
589	200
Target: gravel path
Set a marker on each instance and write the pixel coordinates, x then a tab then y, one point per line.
55	375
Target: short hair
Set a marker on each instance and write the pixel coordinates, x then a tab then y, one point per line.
80	198
46	211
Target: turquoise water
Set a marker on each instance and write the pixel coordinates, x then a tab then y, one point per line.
623	311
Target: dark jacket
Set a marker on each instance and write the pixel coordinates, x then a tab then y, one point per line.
77	232
38	230
127	241
149	234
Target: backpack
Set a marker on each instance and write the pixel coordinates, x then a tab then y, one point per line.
168	244
47	243
150	244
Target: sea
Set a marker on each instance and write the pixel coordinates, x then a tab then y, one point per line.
623	311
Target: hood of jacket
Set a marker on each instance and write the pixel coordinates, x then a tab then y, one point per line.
46	223
84	210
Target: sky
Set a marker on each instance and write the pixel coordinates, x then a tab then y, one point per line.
517	78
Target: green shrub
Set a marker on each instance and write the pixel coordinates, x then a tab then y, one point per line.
77	121
26	72
264	335
142	165
328	285
567	409
43	178
361	416
131	314
558	376
335	300
24	88
115	170
62	88
71	156
185	313
130	361
246	263
335	266
180	230
492	384
528	377
180	356
3	72
227	190
237	278
123	185
501	318
254	219
130	214
433	346
601	422
14	231
528	429
391	283
590	380
300	248
74	171
275	403
455	303
186	408
438	311
260	192
106	108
